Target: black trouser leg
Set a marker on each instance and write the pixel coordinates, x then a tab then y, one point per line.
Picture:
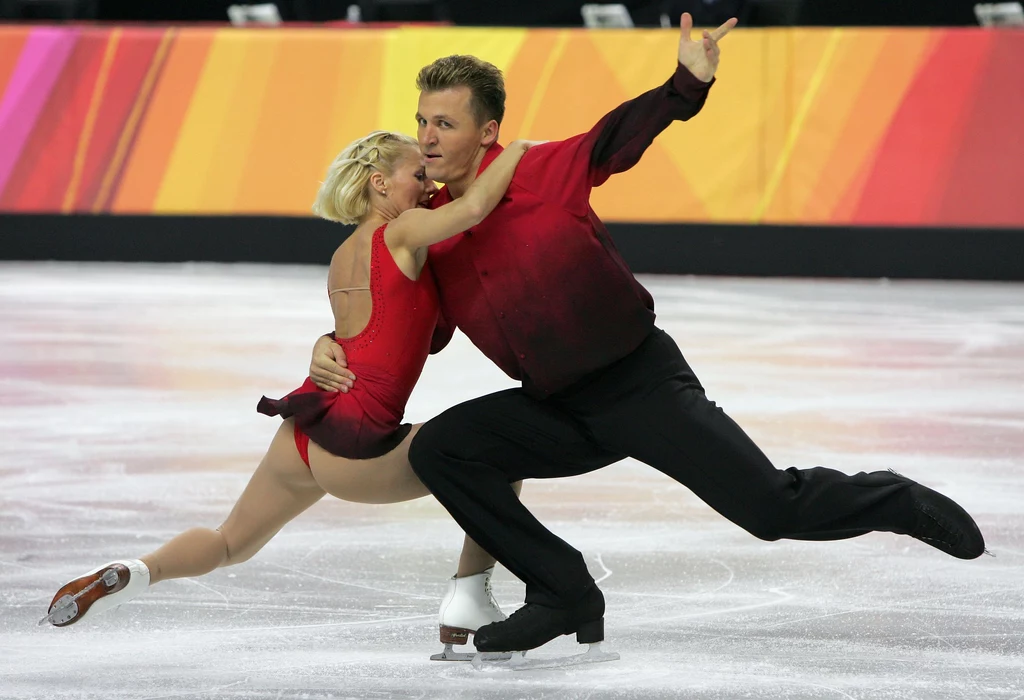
649	406
468	457
671	425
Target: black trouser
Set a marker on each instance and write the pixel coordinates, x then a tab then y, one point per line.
649	406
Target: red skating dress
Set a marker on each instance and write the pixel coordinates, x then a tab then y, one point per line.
387	358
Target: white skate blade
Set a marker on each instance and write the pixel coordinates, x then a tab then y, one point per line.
450	654
519	662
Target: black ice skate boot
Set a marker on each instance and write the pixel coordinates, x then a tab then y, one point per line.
943	524
534	625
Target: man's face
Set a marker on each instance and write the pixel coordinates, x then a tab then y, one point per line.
450	138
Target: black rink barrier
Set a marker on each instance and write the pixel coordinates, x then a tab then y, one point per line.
681	249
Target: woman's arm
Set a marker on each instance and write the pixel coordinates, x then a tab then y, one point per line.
419	228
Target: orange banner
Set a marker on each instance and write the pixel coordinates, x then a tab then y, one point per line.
863	126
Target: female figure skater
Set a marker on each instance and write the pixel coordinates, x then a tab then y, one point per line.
352	445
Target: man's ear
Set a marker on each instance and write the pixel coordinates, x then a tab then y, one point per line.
489	134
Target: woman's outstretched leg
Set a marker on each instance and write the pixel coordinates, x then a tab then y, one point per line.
280	489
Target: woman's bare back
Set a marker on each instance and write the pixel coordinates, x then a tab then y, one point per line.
348	279
350	270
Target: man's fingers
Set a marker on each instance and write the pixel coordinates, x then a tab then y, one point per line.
334	367
337	354
686	24
724	29
325	382
332	383
339	358
336	380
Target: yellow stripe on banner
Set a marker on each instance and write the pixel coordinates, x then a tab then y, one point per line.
90	121
411	48
128	133
287	159
542	82
353	96
186	182
245	111
716	156
797	126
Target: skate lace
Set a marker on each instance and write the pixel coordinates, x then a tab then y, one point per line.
490	596
947	536
523	612
929	520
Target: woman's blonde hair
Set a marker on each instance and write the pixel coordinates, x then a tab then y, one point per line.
345	193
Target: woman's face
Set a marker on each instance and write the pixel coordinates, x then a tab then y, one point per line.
409	186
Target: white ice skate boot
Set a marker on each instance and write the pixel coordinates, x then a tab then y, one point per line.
467	606
108	586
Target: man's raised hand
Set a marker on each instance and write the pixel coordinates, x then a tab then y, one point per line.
701	57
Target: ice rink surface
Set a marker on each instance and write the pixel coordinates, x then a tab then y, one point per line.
127	414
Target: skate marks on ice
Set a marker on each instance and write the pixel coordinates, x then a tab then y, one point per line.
126	416
517	661
449	654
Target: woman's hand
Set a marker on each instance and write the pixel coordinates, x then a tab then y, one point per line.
525	144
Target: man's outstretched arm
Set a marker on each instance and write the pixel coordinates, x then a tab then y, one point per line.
568	170
625	133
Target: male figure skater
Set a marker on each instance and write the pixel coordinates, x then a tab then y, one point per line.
540	289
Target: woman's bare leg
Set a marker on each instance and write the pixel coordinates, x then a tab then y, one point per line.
387	479
280	489
474	558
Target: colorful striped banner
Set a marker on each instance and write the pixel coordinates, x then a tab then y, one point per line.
862	126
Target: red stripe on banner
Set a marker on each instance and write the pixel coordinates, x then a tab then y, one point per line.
126	141
135	53
917	153
43	171
159	126
987	174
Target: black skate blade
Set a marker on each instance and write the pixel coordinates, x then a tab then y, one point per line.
518	661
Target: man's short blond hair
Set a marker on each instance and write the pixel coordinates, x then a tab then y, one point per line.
484	80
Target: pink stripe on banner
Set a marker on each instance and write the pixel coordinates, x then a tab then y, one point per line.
42	59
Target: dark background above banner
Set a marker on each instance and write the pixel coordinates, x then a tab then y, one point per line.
551	13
